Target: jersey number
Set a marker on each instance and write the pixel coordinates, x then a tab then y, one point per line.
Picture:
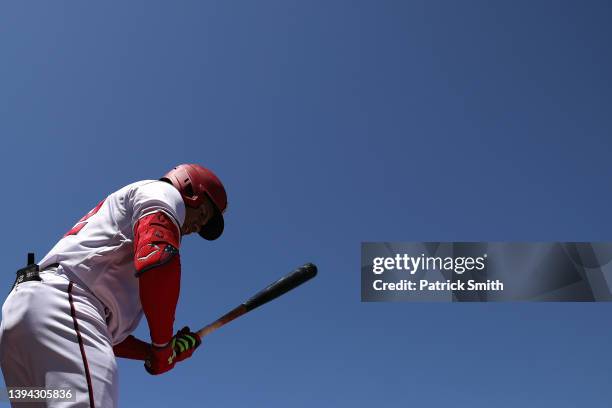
83	221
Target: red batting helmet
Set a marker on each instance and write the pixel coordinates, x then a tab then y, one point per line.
194	182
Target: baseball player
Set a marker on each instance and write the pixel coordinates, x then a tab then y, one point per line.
63	326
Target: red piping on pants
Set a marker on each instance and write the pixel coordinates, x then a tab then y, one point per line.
81	346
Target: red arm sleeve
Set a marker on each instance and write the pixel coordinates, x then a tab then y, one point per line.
159	292
132	348
158	266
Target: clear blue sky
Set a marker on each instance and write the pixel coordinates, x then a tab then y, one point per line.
331	123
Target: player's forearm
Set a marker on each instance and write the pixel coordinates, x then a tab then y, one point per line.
132	348
159	292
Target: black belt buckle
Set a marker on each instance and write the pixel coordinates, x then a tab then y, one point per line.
29	273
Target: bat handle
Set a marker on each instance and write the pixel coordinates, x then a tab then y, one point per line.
223	320
207	330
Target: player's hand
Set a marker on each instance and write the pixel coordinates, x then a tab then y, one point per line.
181	347
185	343
160	359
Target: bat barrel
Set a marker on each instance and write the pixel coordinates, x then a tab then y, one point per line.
282	286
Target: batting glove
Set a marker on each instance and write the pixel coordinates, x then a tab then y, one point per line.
161	359
185	343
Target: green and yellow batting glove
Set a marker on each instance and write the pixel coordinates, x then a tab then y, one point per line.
185	343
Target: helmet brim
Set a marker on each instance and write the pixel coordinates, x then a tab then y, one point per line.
213	228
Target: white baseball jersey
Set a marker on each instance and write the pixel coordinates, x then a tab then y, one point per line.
98	251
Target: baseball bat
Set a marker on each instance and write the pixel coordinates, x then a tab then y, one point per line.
271	292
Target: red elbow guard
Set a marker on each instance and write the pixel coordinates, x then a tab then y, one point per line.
156	241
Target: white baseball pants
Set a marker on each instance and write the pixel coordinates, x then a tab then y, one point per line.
54	335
